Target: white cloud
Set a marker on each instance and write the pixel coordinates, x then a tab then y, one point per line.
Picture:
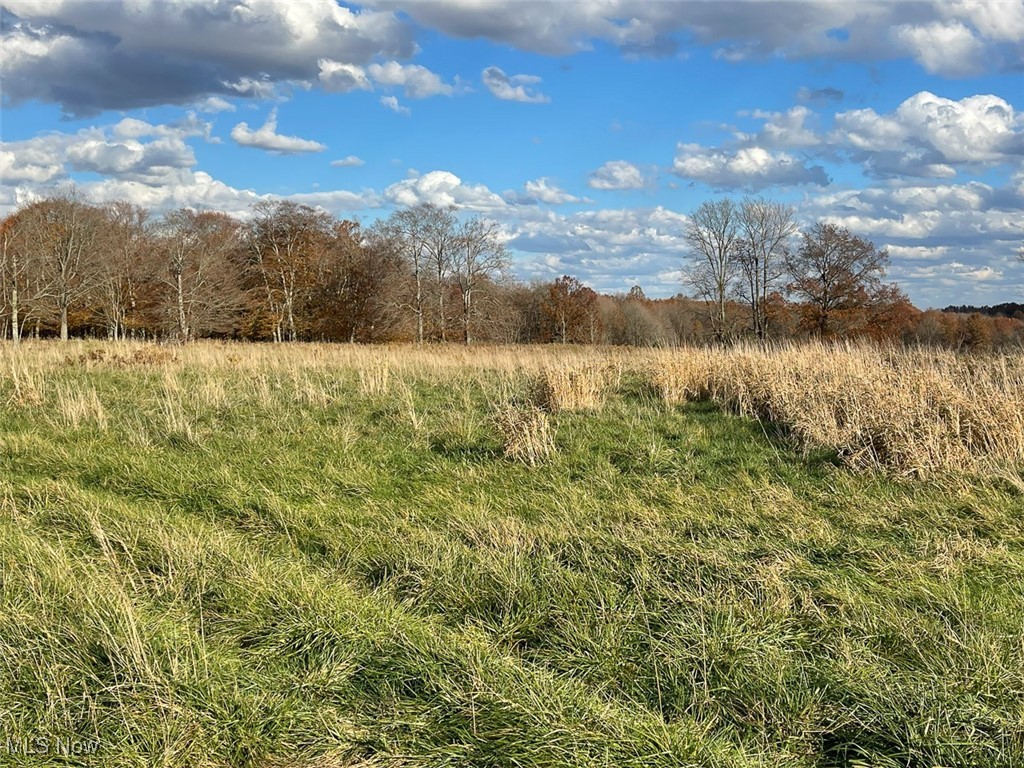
418	82
744	168
149	163
917	252
29	165
995	20
391	103
944	48
743	30
267	138
616	174
215	104
351	161
92	55
513	87
610	249
119	151
443	188
928	135
543	190
785	130
940	238
338	77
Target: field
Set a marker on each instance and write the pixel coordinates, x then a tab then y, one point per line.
317	556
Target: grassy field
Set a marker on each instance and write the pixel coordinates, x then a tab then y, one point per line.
331	556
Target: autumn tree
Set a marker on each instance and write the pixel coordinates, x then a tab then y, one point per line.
765	228
403	234
478	256
122	265
355	298
713	238
61	234
20	274
570	309
442	239
286	243
834	271
201	274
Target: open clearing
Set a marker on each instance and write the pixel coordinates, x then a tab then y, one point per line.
309	555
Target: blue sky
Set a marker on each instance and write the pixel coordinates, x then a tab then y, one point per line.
587	130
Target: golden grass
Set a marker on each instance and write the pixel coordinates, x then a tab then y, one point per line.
913	412
527	433
910	411
566	387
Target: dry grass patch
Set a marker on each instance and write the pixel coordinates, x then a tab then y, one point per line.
908	411
527	432
80	407
564	388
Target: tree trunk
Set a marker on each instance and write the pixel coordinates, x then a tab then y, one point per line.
64	323
15	325
182	323
419	306
440	308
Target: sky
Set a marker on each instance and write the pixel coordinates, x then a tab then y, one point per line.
587	130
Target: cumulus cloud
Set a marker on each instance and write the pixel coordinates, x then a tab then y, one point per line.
513	87
339	77
351	161
928	135
995	20
130	150
616	174
417	81
944	48
443	189
742	30
266	137
543	190
93	55
785	129
23	162
610	249
751	168
937	236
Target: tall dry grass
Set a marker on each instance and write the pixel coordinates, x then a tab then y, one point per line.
910	411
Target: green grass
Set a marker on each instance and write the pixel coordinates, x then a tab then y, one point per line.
292	573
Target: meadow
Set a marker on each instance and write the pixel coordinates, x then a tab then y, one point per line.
309	556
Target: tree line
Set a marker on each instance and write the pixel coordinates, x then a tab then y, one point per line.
290	272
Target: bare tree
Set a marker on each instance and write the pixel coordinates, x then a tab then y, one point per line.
424	236
202	274
287	240
713	237
122	266
20	275
440	243
62	234
765	229
834	270
479	257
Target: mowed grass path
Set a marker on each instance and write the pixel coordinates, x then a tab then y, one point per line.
214	564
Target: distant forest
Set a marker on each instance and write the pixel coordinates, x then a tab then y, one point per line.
1006	309
290	273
